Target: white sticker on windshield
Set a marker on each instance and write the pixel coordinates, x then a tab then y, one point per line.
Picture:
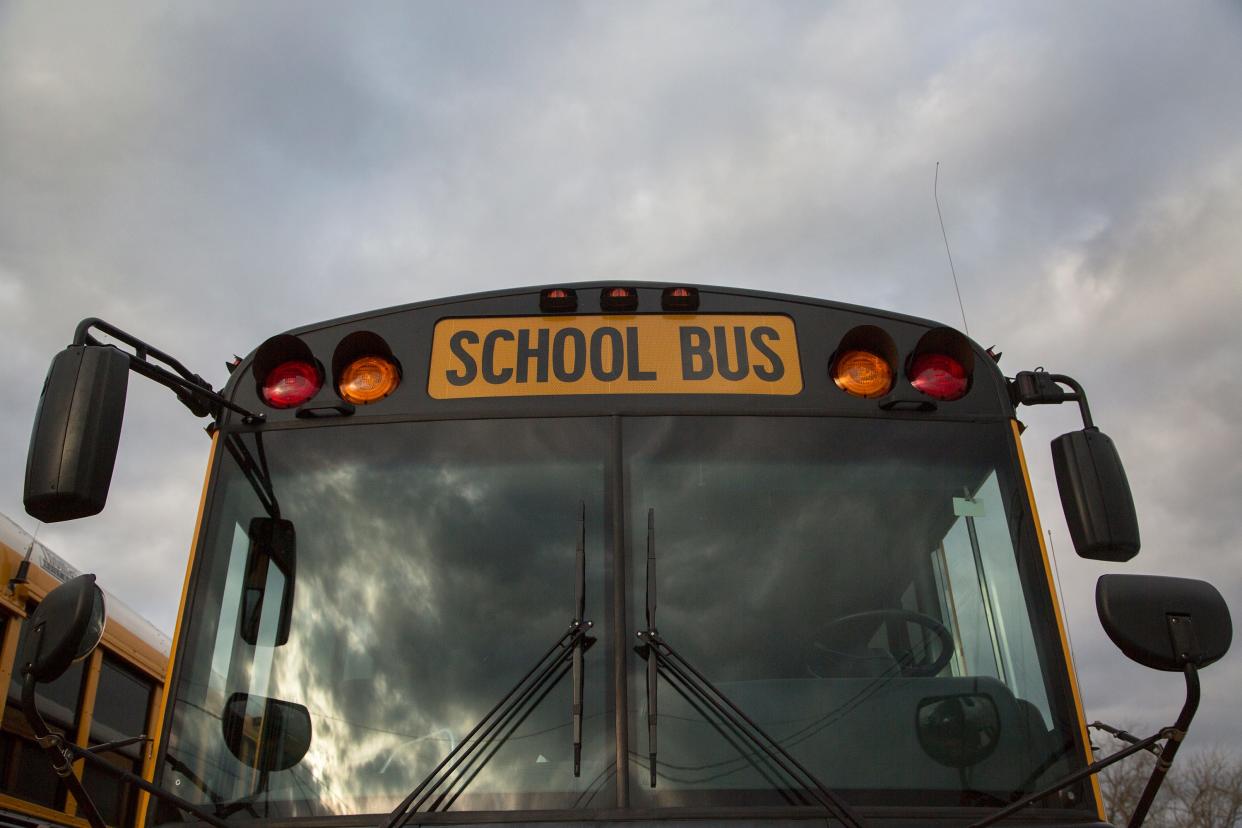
965	507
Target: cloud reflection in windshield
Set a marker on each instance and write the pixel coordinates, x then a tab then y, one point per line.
428	582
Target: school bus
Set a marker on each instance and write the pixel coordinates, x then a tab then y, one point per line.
621	552
114	693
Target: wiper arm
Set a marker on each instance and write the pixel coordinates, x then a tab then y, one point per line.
495	720
660	654
580	644
691	679
508	714
652	663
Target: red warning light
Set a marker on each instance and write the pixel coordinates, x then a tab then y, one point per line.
940	376
291	383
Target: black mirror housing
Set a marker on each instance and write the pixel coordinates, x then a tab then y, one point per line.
76	433
266	734
1164	623
65	628
1095	495
273	544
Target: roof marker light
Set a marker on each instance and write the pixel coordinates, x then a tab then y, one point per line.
558	300
618	299
680	298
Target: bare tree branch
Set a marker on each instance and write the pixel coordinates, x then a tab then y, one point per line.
1204	789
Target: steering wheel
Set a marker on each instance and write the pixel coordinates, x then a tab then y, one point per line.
843	641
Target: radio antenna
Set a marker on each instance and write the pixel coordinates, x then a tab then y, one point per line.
952	269
1052	553
22	575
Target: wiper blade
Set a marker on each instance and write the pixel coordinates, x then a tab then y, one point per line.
652	663
499	723
579	645
695	682
660	654
548	670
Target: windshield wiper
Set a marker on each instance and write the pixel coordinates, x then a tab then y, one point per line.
472	753
661	655
652	663
580	644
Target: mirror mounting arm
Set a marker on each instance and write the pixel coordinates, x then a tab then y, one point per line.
193	391
1039	387
1173	736
58	753
64	753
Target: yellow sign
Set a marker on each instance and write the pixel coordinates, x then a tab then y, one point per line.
525	356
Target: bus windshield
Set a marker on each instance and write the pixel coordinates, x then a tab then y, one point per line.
852	583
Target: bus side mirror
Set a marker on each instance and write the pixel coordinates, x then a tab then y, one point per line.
958	731
1164	623
76	432
1095	495
66	627
266	734
271	569
1173	624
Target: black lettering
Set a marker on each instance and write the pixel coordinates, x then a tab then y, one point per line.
491	376
539	353
777	368
695	344
634	372
469	369
616	357
564	374
722	353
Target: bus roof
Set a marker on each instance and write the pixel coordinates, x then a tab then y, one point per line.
18	541
527	290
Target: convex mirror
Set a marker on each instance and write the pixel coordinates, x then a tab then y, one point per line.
1164	623
1095	495
76	432
958	731
65	628
266	734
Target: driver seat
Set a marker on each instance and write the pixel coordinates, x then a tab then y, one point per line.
857	662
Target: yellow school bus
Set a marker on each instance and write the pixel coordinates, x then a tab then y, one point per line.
620	553
113	693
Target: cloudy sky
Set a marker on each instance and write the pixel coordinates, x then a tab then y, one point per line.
205	175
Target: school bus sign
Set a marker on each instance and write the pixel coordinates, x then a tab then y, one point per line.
526	356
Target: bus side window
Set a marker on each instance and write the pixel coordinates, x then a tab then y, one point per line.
122	702
25	772
981	595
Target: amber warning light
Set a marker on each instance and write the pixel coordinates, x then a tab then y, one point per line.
368	379
863	374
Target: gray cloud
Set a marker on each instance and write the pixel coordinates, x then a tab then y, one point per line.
208	175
